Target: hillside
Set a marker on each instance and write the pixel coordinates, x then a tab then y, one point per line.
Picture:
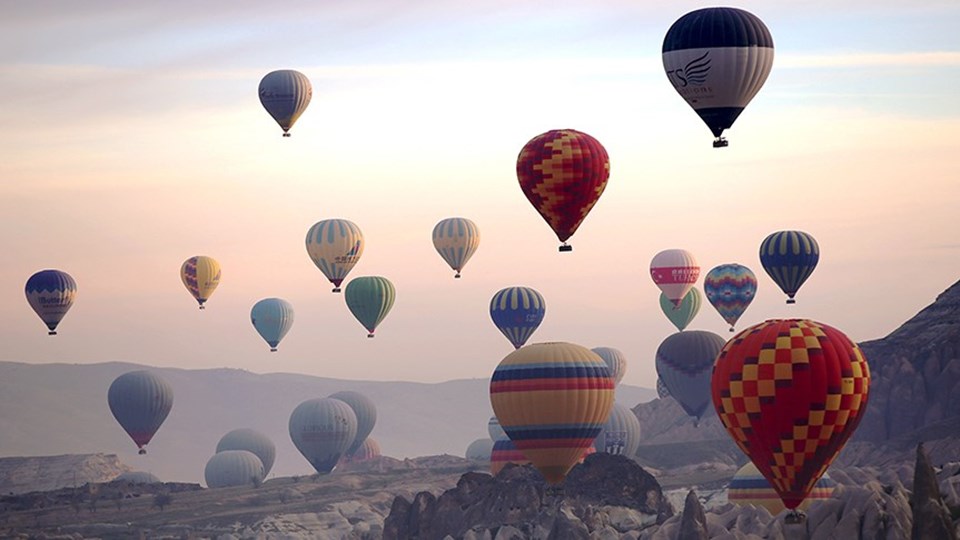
62	408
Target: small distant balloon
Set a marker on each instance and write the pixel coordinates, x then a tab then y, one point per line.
563	172
517	312
730	288
370	299
322	429
684	363
272	318
456	240
675	271
285	94
620	434
200	275
479	450
616	362
251	441
789	257
365	410
681	316
335	247
51	294
232	468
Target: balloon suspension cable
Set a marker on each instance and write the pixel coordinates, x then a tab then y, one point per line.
142	452
336	289
791	301
565	247
720	142
52	333
795	517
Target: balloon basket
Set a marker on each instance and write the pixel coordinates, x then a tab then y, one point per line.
565	248
201	307
457	276
795	518
336	289
52	333
286	134
554	491
791	301
142	452
732	330
369	335
720	142
273	350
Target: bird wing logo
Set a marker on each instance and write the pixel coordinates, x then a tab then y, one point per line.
696	70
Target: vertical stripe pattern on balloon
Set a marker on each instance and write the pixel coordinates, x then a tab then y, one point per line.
50	294
456	240
335	247
517	312
789	258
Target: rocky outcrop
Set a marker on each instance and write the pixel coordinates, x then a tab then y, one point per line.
605	493
693	522
46	473
931	517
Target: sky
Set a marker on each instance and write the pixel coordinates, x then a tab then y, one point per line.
133	139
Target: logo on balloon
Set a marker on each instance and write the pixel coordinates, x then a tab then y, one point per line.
694	74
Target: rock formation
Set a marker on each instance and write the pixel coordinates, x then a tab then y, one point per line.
693	522
46	473
931	517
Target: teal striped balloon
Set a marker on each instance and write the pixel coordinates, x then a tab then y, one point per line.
370	298
681	316
789	257
272	318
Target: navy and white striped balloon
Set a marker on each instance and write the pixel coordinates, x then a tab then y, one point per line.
517	312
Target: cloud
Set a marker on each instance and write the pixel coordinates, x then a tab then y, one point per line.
869	59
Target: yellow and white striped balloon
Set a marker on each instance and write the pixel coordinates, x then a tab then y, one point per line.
456	240
200	275
335	246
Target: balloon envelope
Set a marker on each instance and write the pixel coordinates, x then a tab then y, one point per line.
790	393
370	449
370	299
717	59
662	391
552	399
789	257
456	240
140	401
322	429
563	172
748	486
335	246
615	360
200	275
684	364
232	468
681	316
675	271
620	434
494	430
505	452
51	294
366	412
285	94
251	441
272	318
479	450
730	288
517	312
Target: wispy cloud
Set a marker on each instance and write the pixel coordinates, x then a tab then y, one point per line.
869	59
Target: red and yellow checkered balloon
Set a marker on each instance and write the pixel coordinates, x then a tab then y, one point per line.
790	393
562	173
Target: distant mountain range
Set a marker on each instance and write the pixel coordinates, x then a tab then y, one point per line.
51	409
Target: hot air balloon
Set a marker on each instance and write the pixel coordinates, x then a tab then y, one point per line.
251	441
662	391
369	450
748	486
322	430
366	412
563	172
137	477
616	362
621	434
790	393
285	94
370	298
272	318
140	401
200	275
675	271
789	257
517	312
232	468
684	364
494	430
505	452
730	288
51	293
479	450
456	240
681	316
717	59
552	399
335	246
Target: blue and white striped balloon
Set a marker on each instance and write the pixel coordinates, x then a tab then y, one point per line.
456	240
517	312
51	294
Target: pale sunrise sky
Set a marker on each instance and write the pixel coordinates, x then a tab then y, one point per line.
133	139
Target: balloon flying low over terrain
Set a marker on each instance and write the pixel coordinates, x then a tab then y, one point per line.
140	401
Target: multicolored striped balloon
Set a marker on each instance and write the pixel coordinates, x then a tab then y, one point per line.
730	288
790	393
748	486
517	312
456	240
552	399
684	363
51	294
675	271
563	172
370	299
200	275
616	362
285	94
681	316
789	257
335	246
505	452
